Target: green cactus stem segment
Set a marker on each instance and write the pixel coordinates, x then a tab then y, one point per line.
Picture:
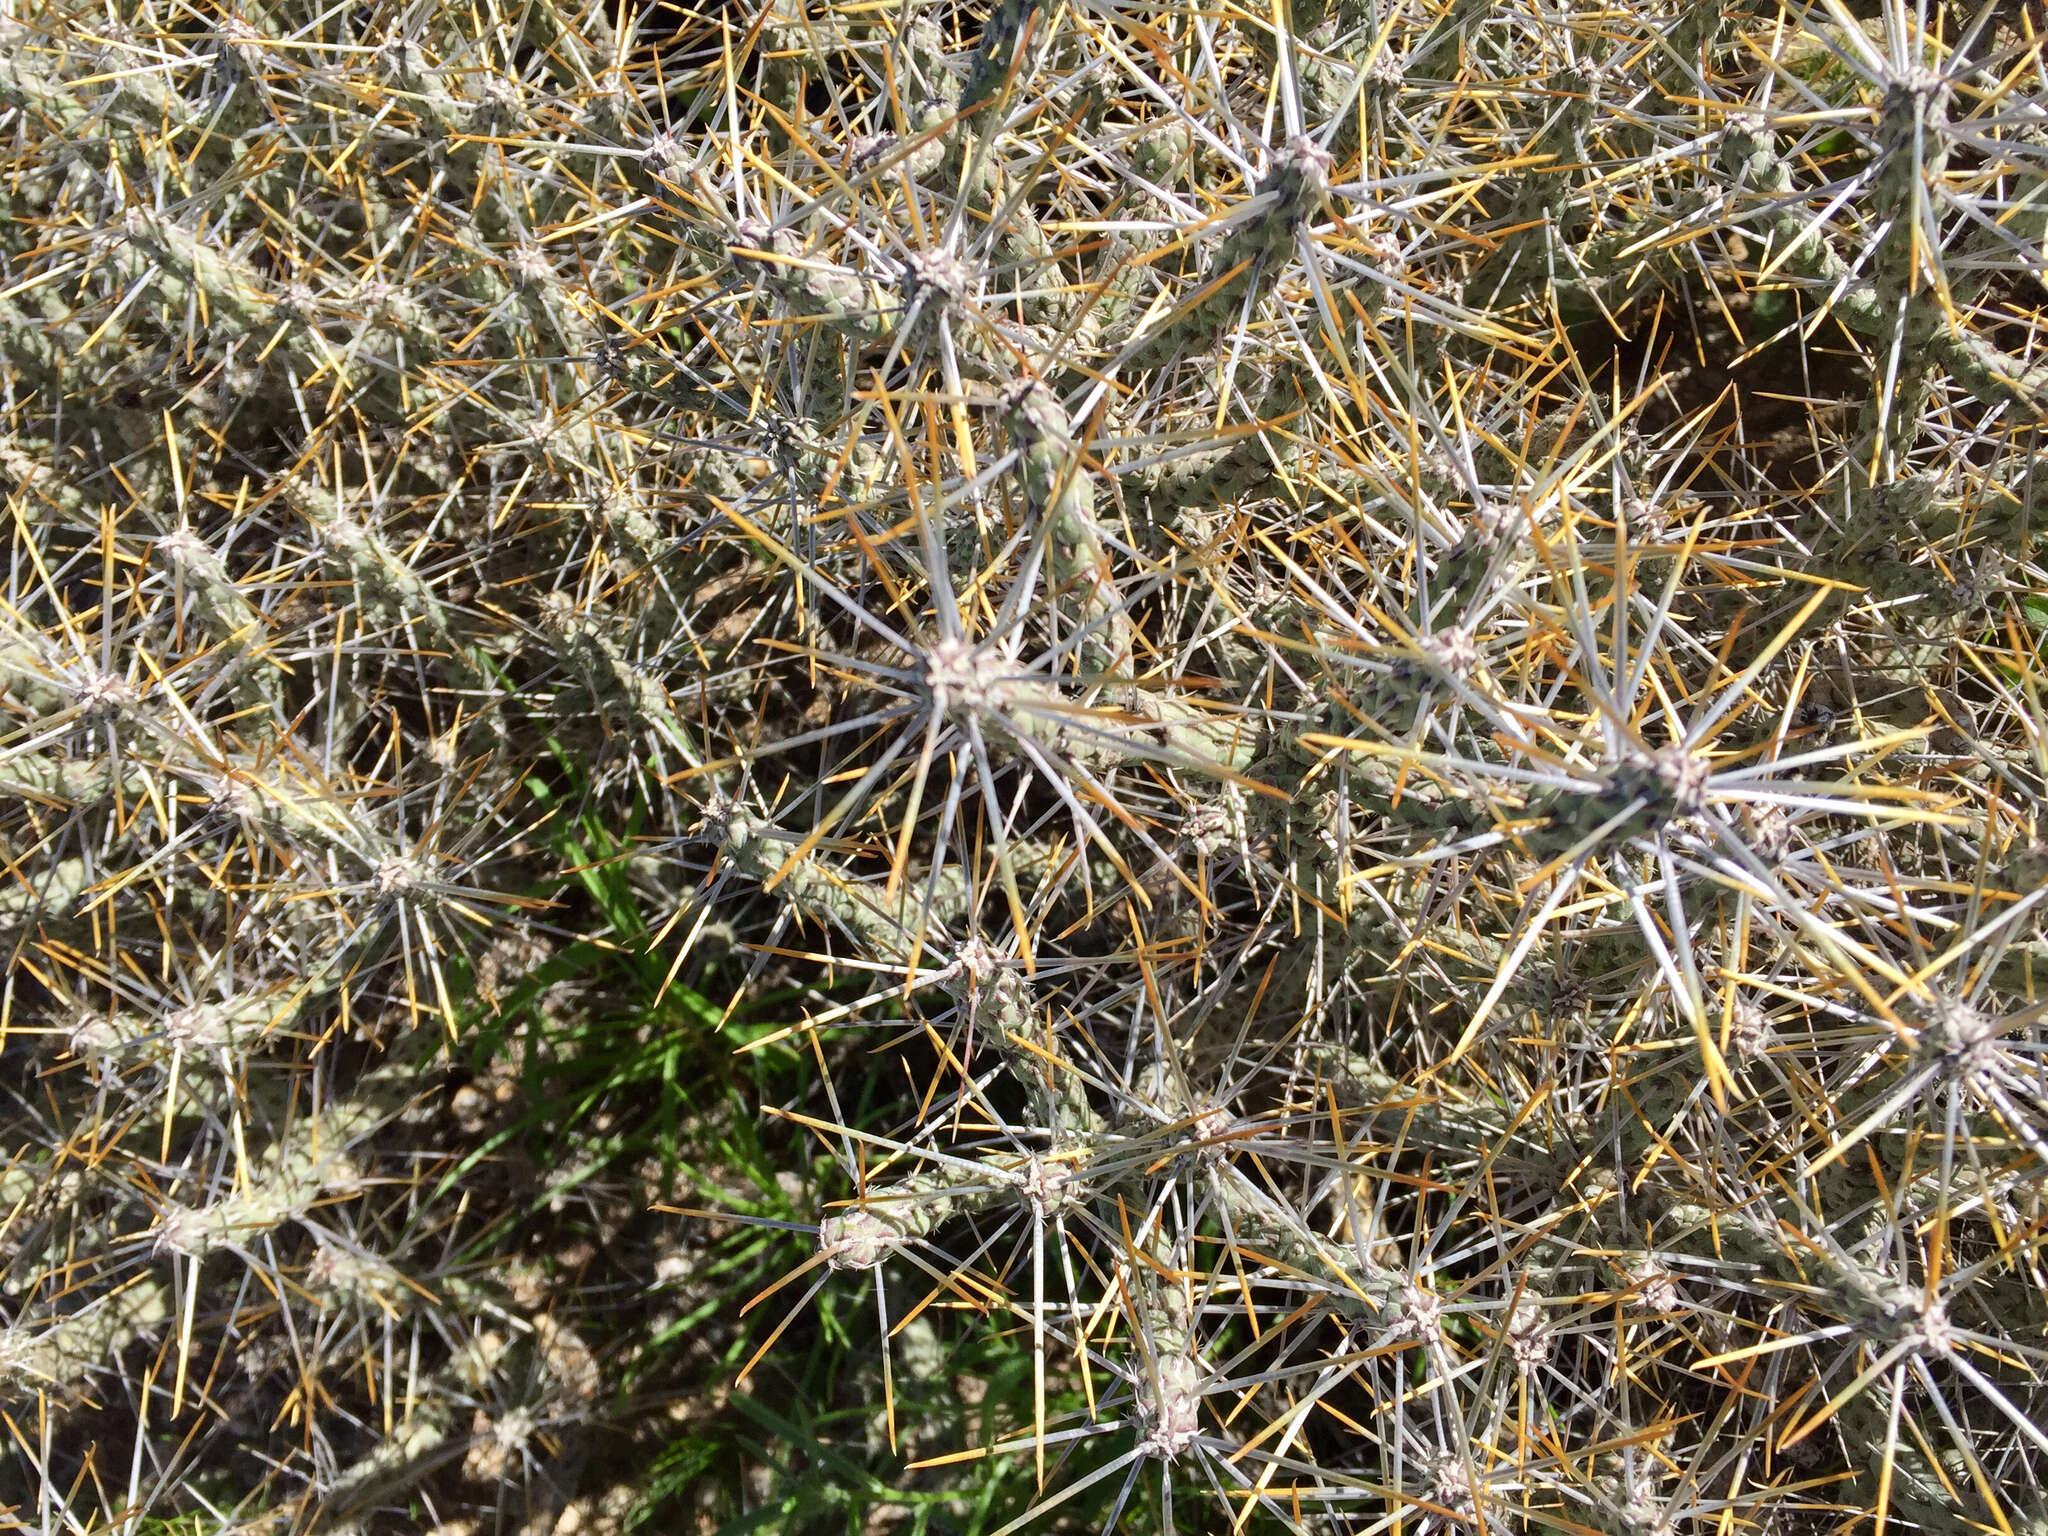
1252	255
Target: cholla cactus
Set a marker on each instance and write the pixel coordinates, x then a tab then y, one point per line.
1392	652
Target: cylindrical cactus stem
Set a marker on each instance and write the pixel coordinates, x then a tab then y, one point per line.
293	811
41	94
1025	254
1001	51
627	521
1196	736
416	1444
1539	213
57	1356
309	1160
751	848
1611	271
1995	377
389	590
1169	1396
211	1032
1986	251
972	681
1452	27
342	1275
1168	1375
888	1216
585	42
918	153
186	269
1253	253
1921	1493
709	473
70	781
1749	150
123	119
583	443
929	82
1354	1286
544	300
1424	1118
26	675
1059	491
274	1196
852	471
1110	306
51	894
1380	788
1328	76
39	350
999	1002
1210	477
25	470
393	326
1912	136
613	679
920	144
1159	153
810	286
233	622
1721	1236
442	109
1272	455
792	40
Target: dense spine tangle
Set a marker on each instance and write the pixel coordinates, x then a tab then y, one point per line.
928	768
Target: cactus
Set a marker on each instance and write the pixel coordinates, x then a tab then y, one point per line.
1018	767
